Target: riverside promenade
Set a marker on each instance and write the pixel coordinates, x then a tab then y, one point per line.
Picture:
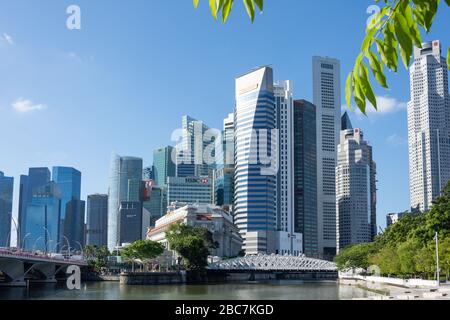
398	289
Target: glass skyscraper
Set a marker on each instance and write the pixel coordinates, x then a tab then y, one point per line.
6	201
36	179
97	220
42	220
72	225
163	166
125	186
255	181
305	176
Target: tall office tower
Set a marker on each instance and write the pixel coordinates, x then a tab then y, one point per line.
72	216
124	200
6	201
327	99
428	126
284	113
163	165
224	173
97	220
305	176
36	179
42	221
255	178
190	158
355	190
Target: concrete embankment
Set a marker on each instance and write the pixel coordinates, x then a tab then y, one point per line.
398	289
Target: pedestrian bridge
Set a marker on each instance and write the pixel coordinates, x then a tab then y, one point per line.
274	263
16	267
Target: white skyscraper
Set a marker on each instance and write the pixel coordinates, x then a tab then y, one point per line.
428	126
355	190
327	99
287	240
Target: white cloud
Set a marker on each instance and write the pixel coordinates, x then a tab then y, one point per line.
23	106
386	105
74	56
8	39
395	140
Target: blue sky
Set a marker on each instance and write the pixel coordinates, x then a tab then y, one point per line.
122	82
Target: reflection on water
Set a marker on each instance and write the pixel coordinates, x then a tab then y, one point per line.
269	290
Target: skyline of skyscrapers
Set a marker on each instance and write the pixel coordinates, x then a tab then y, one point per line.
163	165
428	126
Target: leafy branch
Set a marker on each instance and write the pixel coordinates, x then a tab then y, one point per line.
394	31
225	6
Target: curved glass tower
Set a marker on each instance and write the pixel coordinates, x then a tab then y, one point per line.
255	186
124	191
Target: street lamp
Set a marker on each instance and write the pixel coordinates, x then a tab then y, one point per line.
68	244
81	248
23	240
35	242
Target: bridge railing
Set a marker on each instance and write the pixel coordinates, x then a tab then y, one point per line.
25	254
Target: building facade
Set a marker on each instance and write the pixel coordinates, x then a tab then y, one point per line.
154	201
190	190
284	119
124	197
305	176
213	218
356	190
6	204
327	99
428	126
163	165
97	220
68	181
255	180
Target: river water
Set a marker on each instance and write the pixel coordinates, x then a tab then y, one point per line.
259	290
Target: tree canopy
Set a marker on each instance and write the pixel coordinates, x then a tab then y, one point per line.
193	244
407	248
143	250
393	32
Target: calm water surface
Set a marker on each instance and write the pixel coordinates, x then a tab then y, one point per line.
270	290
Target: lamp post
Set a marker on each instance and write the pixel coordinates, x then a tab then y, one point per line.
35	242
49	237
438	276
68	244
23	240
81	249
17	231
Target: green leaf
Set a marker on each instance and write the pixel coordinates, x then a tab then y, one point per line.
448	56
377	69
250	6
214	8
195	4
226	10
260	4
348	90
412	25
367	86
404	38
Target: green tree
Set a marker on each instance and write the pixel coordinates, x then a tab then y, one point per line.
394	32
143	250
355	257
387	259
444	256
406	253
192	244
97	257
425	261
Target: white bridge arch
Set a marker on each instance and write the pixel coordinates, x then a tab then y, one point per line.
274	263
